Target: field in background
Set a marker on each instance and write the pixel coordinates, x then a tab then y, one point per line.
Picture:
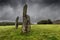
38	32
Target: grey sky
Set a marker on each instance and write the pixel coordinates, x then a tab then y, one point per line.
37	9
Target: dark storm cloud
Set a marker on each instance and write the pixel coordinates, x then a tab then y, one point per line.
9	9
12	2
46	1
37	9
49	2
44	9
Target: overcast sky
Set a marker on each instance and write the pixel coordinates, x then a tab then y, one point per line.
37	9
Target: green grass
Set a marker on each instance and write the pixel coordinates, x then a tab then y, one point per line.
38	32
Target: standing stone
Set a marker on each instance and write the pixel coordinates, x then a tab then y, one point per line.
28	23
16	23
26	20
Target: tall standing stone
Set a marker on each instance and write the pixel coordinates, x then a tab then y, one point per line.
28	23
26	20
16	22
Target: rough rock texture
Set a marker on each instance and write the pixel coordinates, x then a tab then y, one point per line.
16	23
26	20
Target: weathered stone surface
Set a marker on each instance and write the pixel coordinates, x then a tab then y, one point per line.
28	23
16	22
26	20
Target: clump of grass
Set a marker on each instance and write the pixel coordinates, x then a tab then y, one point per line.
52	38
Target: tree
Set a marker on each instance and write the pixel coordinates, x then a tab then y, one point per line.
50	22
45	22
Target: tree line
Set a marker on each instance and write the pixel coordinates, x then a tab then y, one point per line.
9	23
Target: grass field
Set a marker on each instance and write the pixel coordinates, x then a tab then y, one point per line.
38	32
